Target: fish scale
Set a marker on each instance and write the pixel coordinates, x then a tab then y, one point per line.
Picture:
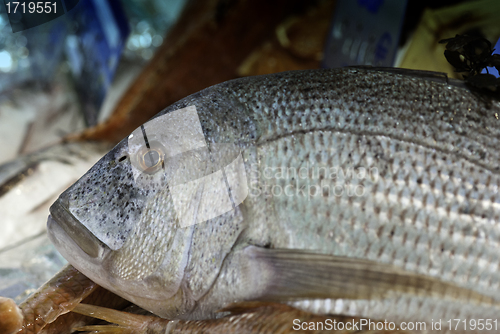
415	211
401	118
420	238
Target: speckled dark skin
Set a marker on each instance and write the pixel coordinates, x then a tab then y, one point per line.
432	210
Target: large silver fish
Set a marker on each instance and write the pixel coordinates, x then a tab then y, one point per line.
351	191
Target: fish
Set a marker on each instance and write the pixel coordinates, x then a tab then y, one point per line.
55	298
362	192
48	310
248	318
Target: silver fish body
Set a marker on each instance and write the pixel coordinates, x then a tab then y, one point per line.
368	192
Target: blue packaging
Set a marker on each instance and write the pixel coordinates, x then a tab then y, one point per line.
493	70
365	32
93	48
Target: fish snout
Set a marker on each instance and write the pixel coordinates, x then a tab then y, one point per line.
64	219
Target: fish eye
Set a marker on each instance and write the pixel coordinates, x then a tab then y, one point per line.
150	160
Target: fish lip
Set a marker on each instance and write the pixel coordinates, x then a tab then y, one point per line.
79	234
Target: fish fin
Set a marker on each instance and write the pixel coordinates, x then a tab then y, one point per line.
438	76
103	329
296	274
426	75
248	306
126	323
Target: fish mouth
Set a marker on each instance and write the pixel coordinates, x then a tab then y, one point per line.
88	242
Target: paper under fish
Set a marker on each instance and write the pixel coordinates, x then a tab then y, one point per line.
345	191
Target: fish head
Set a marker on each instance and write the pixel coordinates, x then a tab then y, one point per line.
118	231
127	224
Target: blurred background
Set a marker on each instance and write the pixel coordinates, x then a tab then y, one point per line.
79	75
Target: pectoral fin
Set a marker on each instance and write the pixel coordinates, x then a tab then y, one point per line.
126	323
244	317
286	274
